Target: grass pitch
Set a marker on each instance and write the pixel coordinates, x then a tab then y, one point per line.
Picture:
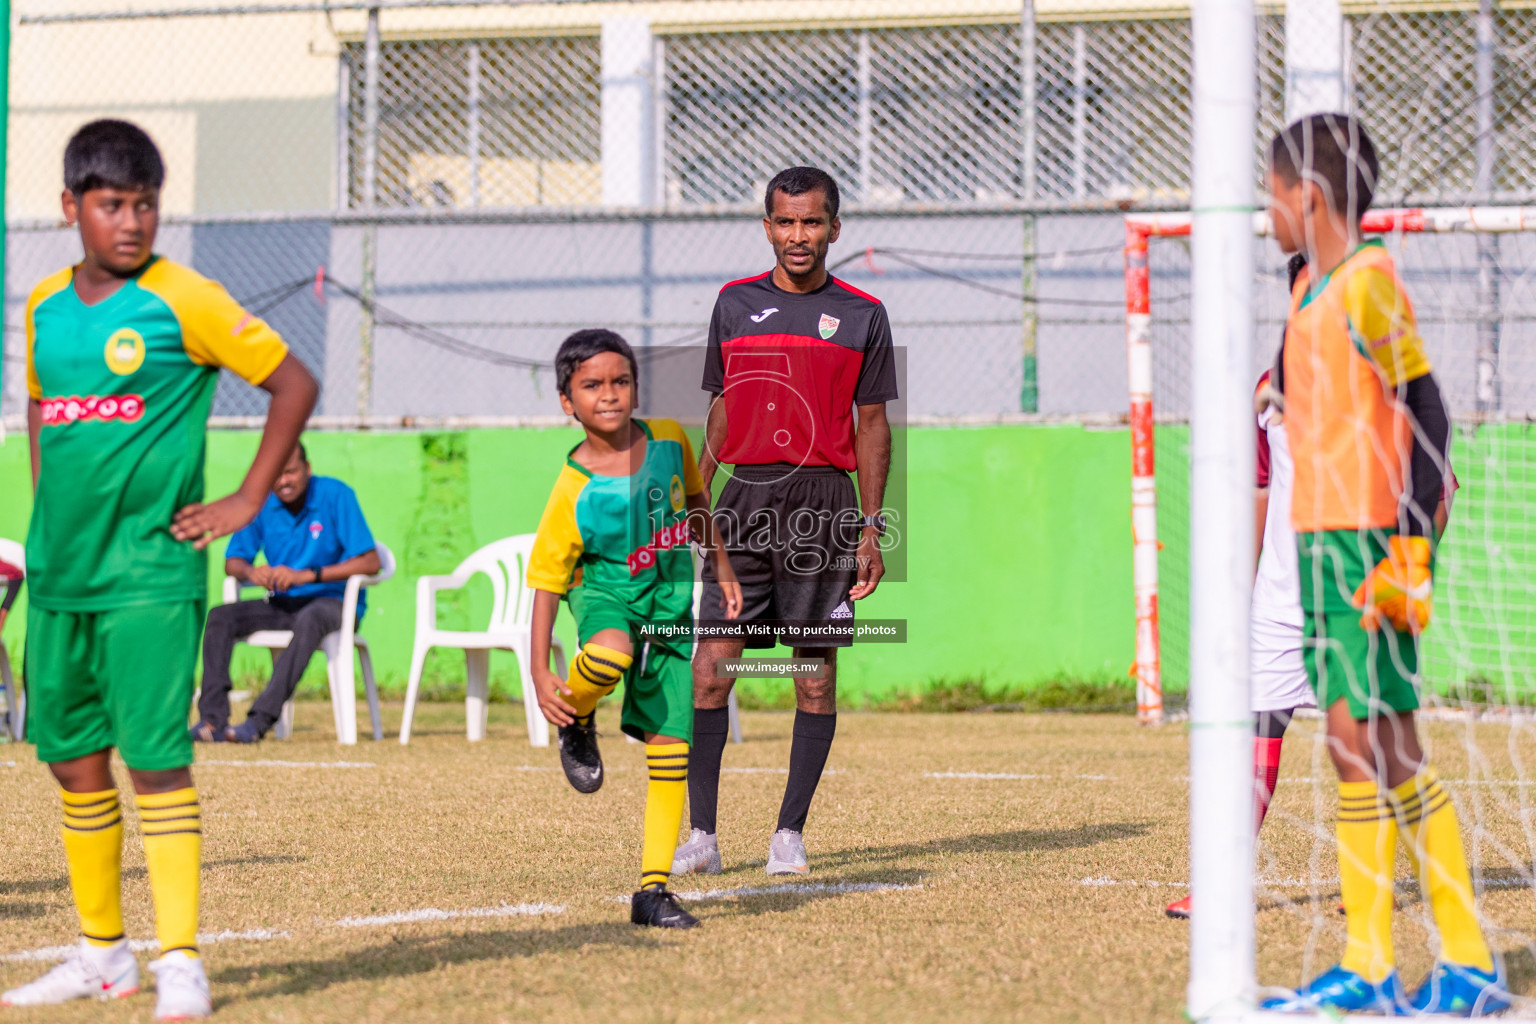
964	867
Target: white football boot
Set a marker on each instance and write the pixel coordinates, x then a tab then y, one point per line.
786	853
88	972
700	855
181	987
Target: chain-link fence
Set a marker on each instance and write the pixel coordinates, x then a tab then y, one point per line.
425	197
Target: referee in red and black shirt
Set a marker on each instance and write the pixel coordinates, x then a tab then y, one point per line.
791	353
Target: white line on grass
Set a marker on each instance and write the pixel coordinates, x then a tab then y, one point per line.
1012	775
798	888
434	914
48	954
284	764
1297	883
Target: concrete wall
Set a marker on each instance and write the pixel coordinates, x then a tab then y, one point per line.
1017	543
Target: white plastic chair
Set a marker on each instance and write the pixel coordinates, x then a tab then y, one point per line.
338	648
505	562
15	697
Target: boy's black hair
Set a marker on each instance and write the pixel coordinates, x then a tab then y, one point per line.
1333	151
303	455
112	154
797	181
583	345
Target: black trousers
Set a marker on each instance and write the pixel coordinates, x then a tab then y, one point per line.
310	619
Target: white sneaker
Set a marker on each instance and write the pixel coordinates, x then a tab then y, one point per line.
182	987
786	854
699	855
89	972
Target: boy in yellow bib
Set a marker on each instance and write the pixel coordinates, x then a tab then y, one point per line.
1368	434
614	542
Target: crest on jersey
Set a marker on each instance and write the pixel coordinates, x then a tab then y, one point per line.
828	325
125	351
678	500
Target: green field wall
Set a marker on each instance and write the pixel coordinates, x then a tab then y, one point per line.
1015	566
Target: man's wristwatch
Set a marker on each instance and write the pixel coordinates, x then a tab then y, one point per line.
316	571
878	522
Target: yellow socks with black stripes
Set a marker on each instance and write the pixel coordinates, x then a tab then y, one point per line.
668	765
93	846
1367	831
594	673
173	847
1431	830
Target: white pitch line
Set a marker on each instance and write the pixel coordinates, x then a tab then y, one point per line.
434	914
799	888
48	954
284	764
1012	775
1297	883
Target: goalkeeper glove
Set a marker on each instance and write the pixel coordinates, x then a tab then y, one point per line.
1400	590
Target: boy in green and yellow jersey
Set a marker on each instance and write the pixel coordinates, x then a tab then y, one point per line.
1369	436
123	354
614	541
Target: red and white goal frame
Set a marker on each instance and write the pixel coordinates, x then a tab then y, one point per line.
1139	230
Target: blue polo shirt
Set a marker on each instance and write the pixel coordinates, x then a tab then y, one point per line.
329	529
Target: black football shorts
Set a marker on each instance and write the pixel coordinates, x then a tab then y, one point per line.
792	534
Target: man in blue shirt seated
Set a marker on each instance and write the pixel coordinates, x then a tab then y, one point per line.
314	536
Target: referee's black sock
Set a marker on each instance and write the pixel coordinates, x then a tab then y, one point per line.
710	728
807	757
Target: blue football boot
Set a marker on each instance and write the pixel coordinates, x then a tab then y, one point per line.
1456	990
1345	992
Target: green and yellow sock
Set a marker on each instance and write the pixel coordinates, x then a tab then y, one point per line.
93	846
172	824
1430	827
595	671
664	796
1367	831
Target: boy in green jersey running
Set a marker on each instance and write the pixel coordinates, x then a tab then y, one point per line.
614	541
123	354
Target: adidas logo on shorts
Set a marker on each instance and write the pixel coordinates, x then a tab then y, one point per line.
842	611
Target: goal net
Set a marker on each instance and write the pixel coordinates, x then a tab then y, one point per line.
1469	275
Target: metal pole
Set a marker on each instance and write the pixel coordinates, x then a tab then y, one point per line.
866	119
659	122
1079	110
343	131
370	199
1144	544
472	130
1488	314
1029	390
1221	945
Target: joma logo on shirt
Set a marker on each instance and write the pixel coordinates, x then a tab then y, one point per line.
666	538
104	408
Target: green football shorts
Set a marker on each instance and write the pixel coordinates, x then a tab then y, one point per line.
1344	661
120	678
658	688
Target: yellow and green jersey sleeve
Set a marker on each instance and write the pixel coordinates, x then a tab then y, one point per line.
669	430
1382	325
215	329
557	548
46	289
